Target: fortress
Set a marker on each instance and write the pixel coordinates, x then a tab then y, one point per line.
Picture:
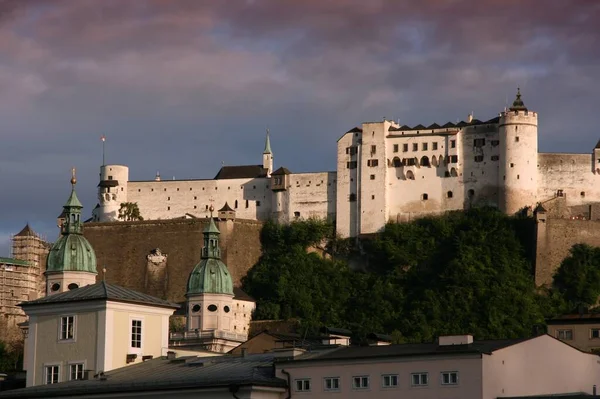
385	172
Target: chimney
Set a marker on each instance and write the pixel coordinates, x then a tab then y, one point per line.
594	390
449	340
171	355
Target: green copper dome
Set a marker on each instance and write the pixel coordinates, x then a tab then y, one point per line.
72	251
210	276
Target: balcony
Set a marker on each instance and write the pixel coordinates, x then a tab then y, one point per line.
208	334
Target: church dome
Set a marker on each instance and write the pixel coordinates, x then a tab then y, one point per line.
72	252
210	276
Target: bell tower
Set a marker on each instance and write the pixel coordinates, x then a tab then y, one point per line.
268	156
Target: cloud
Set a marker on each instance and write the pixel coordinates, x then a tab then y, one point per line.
182	85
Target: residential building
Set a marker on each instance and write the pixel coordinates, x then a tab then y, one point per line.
581	330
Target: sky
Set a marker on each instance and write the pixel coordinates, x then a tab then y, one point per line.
183	86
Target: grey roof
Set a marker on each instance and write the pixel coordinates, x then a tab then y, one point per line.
336	331
597	145
281	171
101	291
162	374
412	350
240	295
241	172
379	337
226	208
355	130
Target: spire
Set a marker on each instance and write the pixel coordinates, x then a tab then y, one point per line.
72	210
267	144
518	104
211	239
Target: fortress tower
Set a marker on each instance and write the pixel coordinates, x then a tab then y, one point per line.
71	261
518	136
112	192
268	156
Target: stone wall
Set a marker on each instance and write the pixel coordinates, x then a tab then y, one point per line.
123	248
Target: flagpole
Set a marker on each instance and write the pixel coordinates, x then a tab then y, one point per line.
103	138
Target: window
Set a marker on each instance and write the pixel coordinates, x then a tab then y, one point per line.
257	203
76	371
424	197
595	333
405	147
196	308
136	333
351	165
495	157
373	149
395	147
449	193
352	197
434	146
582	194
517	139
372	177
389	380
52	373
478	142
560	193
410	161
478	158
373	162
471	193
331	384
247	204
235	204
495	143
419	379
72	286
303	385
452	143
450	378
212	308
425	161
512	165
351	150
360	382
566	335
67	327
424	146
415	147
372	197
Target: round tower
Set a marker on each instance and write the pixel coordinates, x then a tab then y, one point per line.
518	135
71	261
210	287
112	192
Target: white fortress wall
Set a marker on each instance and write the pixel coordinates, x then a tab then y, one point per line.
167	199
347	204
571	173
312	195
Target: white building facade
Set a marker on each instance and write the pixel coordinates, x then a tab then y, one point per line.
385	172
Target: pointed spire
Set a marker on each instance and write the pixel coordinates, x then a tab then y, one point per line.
518	104
73	201
212	227
72	210
267	144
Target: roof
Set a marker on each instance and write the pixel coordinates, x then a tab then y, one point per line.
355	130
73	201
162	374
11	261
226	208
241	172
411	350
71	252
101	291
281	171
267	144
108	183
597	145
212	227
336	331
380	337
518	104
575	318
240	295
448	125
26	232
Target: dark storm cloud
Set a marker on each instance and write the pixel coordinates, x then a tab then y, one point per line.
184	85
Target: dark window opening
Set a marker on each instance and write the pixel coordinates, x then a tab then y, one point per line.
424	197
449	194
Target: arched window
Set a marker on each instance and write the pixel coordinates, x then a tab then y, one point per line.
434	161
424	196
410	175
425	161
453	172
396	162
236	204
471	193
449	194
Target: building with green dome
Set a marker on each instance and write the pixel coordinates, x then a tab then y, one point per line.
218	314
71	261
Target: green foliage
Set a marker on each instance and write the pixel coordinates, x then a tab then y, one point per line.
129	211
577	279
11	356
464	272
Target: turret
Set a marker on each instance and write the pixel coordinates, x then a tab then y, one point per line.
112	192
268	156
71	261
517	176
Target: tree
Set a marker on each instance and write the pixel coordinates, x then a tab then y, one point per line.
129	211
578	276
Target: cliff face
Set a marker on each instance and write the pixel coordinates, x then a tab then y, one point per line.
157	256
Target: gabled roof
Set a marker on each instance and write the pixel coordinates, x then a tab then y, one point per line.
281	171
240	295
449	124
355	130
433	126
597	145
26	232
226	208
241	172
379	337
161	374
336	331
101	291
419	127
